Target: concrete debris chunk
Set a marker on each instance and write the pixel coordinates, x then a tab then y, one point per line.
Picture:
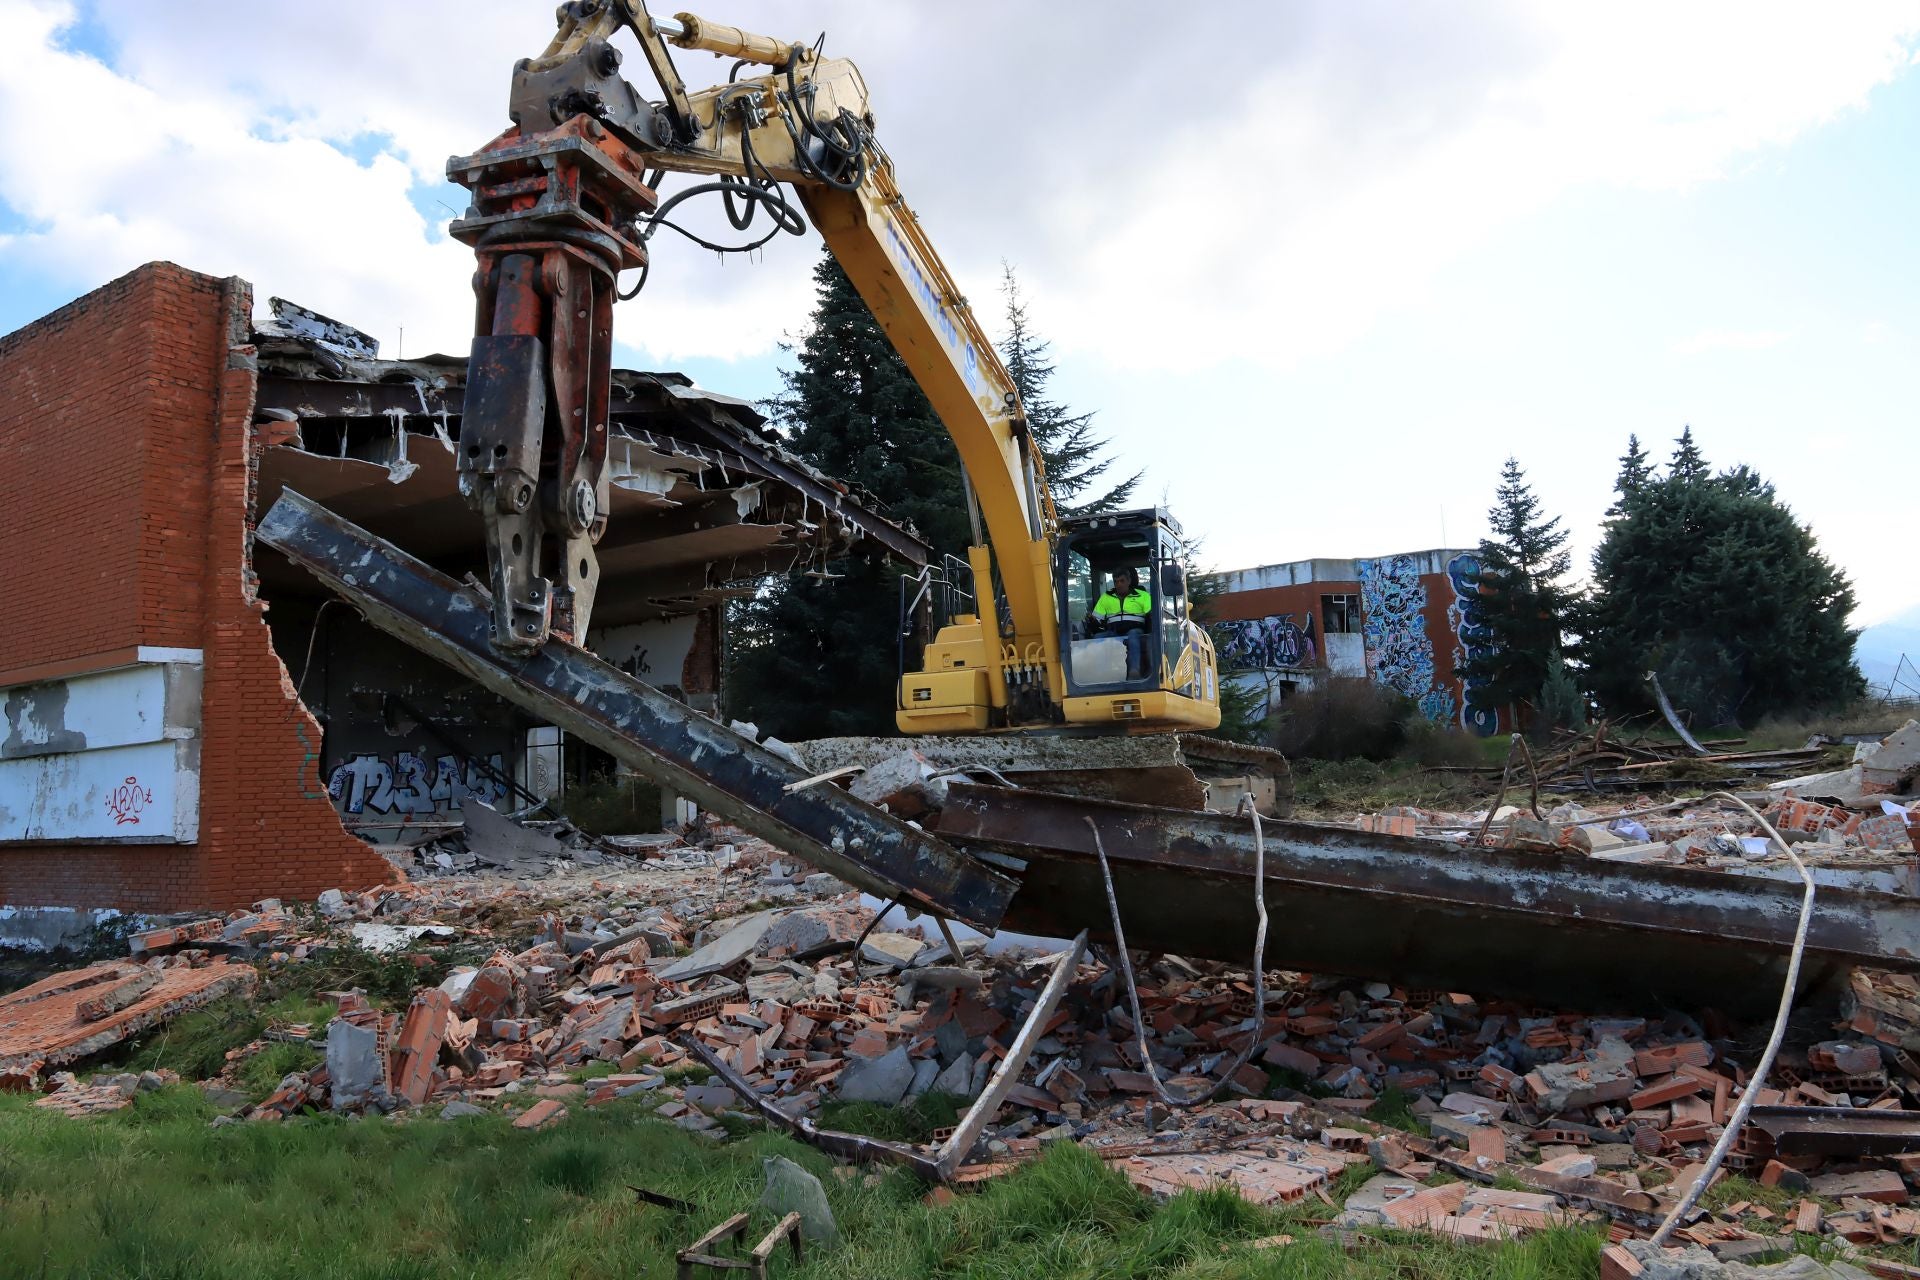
895	950
808	932
883	1078
956	1079
904	783
723	953
354	1066
791	1189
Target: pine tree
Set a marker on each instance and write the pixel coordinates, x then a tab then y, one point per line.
1075	457
816	654
1524	604
1710	581
1634	473
1689	464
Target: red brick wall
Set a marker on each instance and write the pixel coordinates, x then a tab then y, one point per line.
1302	598
72	431
124	507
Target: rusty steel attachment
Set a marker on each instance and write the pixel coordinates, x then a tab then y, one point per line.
554	221
1847	1131
722	771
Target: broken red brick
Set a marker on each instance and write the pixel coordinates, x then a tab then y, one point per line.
418	1045
1667	1090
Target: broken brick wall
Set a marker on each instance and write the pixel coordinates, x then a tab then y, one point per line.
125	419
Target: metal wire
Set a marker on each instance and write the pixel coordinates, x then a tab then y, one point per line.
1758	1079
1259	968
861	941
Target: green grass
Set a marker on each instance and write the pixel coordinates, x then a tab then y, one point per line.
1342	788
262	1073
195	1044
913	1122
593	1071
1393	1109
154	1192
389	979
687	1073
297	1007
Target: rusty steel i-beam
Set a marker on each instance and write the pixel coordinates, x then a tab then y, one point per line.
1425	913
723	771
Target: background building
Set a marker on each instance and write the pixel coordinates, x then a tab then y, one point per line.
1402	621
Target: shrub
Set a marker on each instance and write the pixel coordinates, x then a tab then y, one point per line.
1343	719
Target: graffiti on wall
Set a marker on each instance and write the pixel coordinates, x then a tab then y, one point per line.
128	800
1256	644
1471	640
414	784
1394	628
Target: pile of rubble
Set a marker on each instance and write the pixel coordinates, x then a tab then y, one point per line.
1861	819
721	980
488	841
1604	759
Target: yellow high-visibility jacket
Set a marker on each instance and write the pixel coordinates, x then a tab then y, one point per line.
1138	604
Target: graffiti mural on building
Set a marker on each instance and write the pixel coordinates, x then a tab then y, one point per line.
1254	644
414	784
1399	652
1473	640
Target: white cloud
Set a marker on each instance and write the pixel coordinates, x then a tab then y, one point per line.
138	174
1280	232
1265	187
1726	340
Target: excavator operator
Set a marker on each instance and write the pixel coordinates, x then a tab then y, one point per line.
1125	611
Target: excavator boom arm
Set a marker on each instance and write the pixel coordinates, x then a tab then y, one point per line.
566	200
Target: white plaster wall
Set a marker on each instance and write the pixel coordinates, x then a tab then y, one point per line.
1346	653
144	793
105	756
107	709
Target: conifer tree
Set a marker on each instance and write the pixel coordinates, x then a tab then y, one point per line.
816	654
1689	464
1710	581
1524	603
1634	473
1074	455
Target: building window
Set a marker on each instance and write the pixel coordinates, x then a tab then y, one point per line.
1339	614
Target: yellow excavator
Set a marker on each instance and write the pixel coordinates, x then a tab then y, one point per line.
566	200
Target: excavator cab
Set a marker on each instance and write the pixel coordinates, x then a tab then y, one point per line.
1137	655
1137	664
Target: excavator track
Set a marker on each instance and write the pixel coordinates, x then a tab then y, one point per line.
1166	770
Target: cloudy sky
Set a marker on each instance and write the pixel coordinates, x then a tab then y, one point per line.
1319	266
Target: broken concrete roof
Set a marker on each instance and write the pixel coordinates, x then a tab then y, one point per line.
704	499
